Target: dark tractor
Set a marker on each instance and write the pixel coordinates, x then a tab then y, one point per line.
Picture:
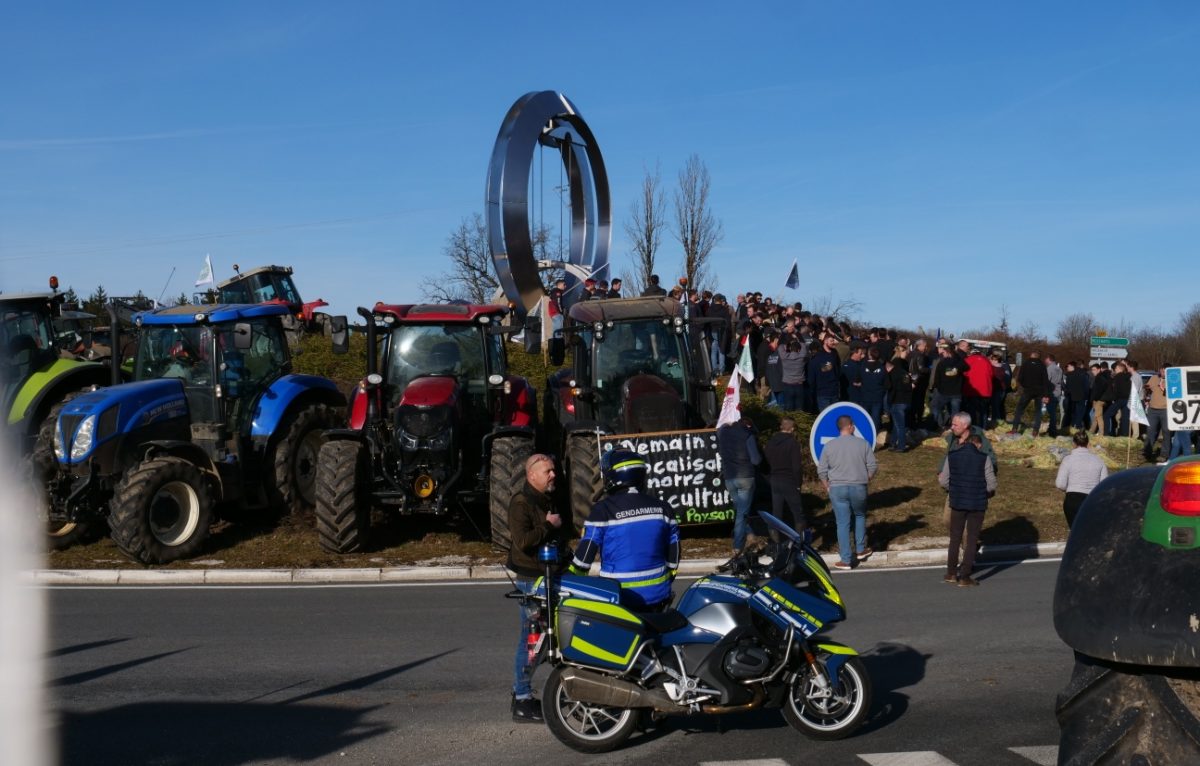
1128	604
36	378
437	421
213	422
274	284
638	366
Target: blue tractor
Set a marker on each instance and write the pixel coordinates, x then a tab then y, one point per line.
213	421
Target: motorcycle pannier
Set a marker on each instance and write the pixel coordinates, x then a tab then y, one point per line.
601	635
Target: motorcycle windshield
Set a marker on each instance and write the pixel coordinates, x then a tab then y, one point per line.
808	557
778	526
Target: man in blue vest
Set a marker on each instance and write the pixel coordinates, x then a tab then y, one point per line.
970	479
635	535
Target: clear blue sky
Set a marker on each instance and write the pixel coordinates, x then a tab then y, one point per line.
933	161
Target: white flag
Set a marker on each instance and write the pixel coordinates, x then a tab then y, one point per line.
730	412
745	365
1137	413
206	273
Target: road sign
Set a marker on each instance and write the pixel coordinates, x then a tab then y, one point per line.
1098	341
825	430
1183	398
1109	352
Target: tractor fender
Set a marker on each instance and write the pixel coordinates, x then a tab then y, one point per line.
190	452
499	431
1120	597
345	435
47	387
278	401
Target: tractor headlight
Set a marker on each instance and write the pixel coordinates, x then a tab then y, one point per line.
82	444
408	441
60	451
439	441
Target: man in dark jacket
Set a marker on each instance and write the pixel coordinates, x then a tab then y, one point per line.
532	522
947	385
825	373
1035	388
772	367
1101	396
784	459
654	288
738	447
968	476
1075	396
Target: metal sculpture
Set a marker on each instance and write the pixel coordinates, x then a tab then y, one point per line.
546	118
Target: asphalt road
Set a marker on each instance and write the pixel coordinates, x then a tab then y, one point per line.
421	675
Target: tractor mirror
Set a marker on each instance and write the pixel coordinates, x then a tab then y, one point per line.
558	351
339	334
242	336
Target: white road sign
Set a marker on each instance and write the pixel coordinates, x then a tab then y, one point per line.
1183	398
1109	352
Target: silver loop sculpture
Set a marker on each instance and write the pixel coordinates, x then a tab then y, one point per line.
546	118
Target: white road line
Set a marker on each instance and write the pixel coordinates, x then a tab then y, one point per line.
916	758
758	762
1043	756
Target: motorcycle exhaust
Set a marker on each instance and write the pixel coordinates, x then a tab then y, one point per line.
760	696
597	689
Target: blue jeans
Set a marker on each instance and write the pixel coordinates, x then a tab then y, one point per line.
522	671
793	397
875	410
741	492
1022	401
1113	426
849	500
938	403
824	400
716	358
899	434
1181	443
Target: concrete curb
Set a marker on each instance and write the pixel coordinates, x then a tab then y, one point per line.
485	572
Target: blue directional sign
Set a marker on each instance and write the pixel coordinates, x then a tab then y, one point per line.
825	430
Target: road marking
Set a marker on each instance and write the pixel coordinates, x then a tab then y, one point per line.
917	758
758	762
1043	756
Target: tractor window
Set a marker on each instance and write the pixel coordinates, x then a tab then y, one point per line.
636	348
173	351
25	336
495	353
452	349
285	289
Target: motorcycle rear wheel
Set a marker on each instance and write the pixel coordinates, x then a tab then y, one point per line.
583	727
831	714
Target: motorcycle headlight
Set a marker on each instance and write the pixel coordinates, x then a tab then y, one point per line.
83	438
60	452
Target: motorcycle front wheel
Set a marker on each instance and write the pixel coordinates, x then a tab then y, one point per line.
834	712
582	726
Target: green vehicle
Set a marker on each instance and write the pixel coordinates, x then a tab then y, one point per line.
35	381
1127	602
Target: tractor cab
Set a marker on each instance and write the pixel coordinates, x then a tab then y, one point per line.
268	284
27	338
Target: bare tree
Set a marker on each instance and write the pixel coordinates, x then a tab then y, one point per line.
1002	328
647	219
1189	335
472	275
696	228
840	310
1030	335
1075	331
1154	346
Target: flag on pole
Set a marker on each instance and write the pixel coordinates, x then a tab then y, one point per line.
745	365
1137	413
206	273
731	405
939	335
793	280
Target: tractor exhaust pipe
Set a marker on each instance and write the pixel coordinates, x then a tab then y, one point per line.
598	689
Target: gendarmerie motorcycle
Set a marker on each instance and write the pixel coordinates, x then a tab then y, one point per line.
740	639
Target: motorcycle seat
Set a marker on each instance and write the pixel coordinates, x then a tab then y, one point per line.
664	622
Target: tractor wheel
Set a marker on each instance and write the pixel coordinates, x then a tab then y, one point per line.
161	511
343	512
506	474
1112	713
292	486
43	468
583	466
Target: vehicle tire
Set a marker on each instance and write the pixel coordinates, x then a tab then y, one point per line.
583	466
42	468
833	714
583	727
293	458
506	475
342	511
161	511
1111	713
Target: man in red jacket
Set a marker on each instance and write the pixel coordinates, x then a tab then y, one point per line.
977	386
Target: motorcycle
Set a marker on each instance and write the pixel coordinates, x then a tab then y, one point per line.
740	639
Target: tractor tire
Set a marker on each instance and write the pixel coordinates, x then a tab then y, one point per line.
296	448
583	467
43	467
342	511
1111	713
506	475
161	511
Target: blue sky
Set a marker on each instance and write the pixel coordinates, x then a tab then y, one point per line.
932	161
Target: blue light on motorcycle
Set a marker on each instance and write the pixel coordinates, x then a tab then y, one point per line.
548	554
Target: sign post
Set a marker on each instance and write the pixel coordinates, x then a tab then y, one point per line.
825	430
1183	398
1104	348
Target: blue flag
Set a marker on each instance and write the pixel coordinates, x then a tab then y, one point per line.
793	280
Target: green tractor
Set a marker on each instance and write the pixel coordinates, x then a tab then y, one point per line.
36	379
1128	604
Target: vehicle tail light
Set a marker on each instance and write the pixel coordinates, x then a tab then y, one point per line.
1181	489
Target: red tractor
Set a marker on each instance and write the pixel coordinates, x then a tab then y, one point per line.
273	284
437	420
